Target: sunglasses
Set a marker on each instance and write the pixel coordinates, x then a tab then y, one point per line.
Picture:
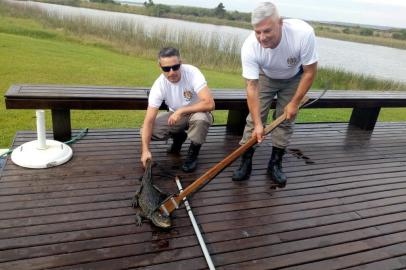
174	68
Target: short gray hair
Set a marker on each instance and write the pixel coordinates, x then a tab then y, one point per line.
168	52
263	11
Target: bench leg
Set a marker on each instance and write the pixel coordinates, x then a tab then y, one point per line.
61	124
364	118
236	121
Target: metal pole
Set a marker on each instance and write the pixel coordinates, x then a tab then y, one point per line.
196	228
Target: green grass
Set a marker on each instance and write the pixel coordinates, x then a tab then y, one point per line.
32	52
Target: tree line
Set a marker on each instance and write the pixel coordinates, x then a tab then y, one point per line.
161	10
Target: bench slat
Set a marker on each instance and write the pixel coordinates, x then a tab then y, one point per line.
62	98
49	93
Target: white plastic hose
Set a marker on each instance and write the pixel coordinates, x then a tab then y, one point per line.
196	228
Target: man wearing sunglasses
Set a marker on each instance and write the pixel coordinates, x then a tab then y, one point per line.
184	90
278	59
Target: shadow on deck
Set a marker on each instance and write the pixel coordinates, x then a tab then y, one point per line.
344	206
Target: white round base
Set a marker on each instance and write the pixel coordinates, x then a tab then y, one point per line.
28	155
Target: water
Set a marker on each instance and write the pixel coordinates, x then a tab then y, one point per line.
377	61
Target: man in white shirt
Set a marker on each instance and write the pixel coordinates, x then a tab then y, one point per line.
278	59
190	102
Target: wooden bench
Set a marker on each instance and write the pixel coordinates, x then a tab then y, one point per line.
60	99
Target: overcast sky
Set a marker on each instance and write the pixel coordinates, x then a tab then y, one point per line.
374	12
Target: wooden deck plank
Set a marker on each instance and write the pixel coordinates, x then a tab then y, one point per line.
347	204
391	263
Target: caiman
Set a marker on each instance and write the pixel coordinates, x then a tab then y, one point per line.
147	200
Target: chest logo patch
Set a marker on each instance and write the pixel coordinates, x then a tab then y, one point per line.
292	61
187	94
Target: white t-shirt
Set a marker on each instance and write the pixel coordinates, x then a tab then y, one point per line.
180	94
296	48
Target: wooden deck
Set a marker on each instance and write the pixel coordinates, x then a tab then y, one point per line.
344	206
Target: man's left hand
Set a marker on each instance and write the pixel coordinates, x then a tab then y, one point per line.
291	110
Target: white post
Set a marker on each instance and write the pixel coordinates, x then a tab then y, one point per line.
41	137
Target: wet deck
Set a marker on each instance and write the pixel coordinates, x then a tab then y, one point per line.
344	206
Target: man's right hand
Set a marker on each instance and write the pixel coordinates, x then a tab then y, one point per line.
145	156
258	132
174	118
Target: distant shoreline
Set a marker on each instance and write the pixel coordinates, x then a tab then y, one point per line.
383	36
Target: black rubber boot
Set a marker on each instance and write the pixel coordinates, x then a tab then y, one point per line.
275	167
178	140
244	171
190	163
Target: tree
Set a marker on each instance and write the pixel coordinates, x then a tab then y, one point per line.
220	11
400	34
103	1
346	31
366	32
149	3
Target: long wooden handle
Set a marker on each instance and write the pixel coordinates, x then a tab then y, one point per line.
173	202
